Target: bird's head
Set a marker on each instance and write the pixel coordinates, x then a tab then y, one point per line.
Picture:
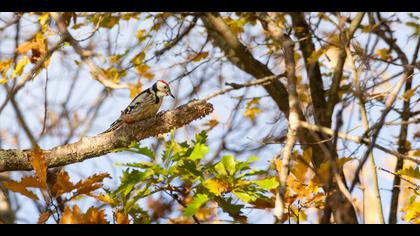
163	89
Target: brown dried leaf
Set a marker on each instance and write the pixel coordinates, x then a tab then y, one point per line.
90	184
40	166
43	217
21	187
74	216
62	184
121	218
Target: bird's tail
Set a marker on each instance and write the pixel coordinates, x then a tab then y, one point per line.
116	124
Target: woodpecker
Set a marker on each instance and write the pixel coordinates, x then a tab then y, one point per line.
145	105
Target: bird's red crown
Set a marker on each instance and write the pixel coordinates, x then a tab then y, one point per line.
163	81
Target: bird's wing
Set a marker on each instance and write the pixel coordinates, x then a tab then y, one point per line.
138	104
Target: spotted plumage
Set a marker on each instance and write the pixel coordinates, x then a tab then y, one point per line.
144	105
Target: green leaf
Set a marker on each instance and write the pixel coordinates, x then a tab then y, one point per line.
198	152
252	159
410	171
191	167
129	179
220	169
229	164
233	210
245	197
147	152
268	184
194	206
142	165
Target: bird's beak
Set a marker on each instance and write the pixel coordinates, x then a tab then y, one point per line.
170	93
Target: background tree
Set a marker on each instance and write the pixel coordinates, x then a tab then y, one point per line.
308	117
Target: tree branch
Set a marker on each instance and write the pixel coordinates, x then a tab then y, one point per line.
345	38
239	55
96	72
89	147
312	68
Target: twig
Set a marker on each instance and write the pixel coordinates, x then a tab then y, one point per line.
356	139
96	72
234	86
417	187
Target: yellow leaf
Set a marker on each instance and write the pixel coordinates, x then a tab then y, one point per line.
43	217
383	53
135	89
315	55
415	153
20	66
408	94
199	56
252	109
104	198
138	59
216	186
140	35
43	18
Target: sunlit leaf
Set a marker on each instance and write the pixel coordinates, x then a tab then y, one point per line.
62	184
252	109
199	151
216	186
21	187
197	202
268	184
121	218
408	94
229	164
200	56
40	166
74	216
20	66
410	171
43	217
384	53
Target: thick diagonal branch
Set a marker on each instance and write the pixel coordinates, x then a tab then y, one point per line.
89	147
223	37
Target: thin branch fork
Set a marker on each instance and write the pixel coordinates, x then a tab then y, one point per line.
97	73
89	147
356	139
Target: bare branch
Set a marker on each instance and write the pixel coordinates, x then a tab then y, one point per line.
96	72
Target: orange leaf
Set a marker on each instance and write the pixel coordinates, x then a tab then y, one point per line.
43	217
21	187
121	218
90	184
26	46
74	216
95	216
62	184
39	165
199	56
